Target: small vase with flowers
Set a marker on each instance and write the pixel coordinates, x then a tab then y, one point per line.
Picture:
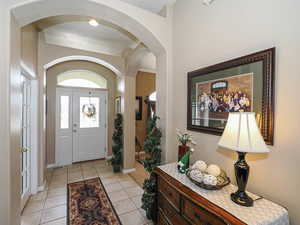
185	139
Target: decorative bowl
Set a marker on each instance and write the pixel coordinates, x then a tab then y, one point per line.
223	181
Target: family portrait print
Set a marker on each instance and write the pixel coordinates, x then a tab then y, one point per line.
216	98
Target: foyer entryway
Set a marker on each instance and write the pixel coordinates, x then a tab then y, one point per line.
81	125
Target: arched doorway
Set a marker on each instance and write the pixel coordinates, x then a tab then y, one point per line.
146	27
56	60
80	76
150	29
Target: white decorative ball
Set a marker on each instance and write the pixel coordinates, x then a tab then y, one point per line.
213	170
210	180
197	175
200	165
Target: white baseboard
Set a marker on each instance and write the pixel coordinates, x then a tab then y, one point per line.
50	166
128	170
42	187
109	157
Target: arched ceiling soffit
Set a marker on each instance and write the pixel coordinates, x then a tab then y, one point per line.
84	58
56	20
149	28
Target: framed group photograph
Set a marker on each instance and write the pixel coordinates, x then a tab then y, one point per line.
245	84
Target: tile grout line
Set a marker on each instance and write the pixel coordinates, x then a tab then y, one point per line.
47	195
52	220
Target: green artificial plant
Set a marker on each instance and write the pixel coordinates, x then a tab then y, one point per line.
117	148
153	150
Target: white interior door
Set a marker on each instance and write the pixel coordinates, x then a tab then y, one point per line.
89	131
80	137
26	141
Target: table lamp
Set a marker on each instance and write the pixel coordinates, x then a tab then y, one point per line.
242	135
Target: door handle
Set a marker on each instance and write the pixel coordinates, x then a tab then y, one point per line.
23	150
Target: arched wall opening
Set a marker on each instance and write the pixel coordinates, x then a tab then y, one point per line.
76	69
151	29
99	61
147	27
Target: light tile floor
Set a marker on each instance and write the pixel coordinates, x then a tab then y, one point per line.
49	207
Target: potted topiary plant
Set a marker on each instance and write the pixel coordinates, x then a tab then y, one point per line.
117	148
153	150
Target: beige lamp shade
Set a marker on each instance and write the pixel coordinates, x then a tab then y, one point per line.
242	134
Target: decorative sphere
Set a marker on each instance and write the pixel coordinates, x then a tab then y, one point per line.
210	180
196	175
200	165
213	170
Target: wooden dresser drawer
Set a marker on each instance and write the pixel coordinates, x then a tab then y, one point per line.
169	193
161	219
198	215
169	212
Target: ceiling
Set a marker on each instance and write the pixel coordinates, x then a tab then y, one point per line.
83	28
80	35
75	32
154	6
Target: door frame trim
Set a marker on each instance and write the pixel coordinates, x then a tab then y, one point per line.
34	125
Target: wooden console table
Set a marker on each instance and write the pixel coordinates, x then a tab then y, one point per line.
180	202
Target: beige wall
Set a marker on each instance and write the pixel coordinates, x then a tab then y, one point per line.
48	52
4	117
15	124
129	125
10	166
126	89
29	40
52	74
145	85
227	29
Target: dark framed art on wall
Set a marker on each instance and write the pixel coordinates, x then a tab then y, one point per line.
244	84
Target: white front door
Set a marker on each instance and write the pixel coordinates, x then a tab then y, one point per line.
81	122
89	131
26	141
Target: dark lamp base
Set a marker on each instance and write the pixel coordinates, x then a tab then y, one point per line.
242	173
241	198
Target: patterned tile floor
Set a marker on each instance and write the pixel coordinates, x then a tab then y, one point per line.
49	207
